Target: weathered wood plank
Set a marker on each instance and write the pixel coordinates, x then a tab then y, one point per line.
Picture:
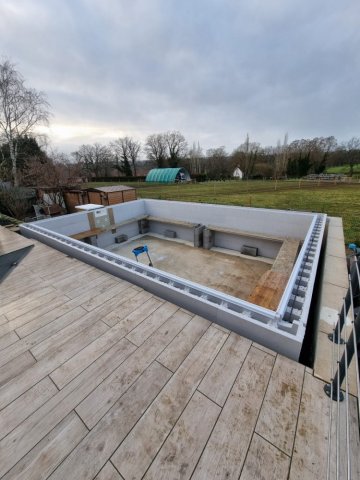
102	310
97	281
310	457
30	302
140	300
183	343
25	405
59	269
183	447
40	369
264	349
66	372
152	323
219	379
15	367
24	437
140	447
269	289
62	336
226	449
100	401
220	327
278	416
43	459
107	294
94	451
12	288
11	241
26	302
108	472
286	256
78	275
37	312
265	462
8	339
40	335
5	328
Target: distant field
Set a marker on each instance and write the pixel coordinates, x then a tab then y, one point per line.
334	199
344	169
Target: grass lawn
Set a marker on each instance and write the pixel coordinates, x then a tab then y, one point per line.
334	199
344	169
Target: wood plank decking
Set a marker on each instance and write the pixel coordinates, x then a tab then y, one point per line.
100	379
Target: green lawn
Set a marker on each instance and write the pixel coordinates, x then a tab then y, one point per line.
334	199
344	169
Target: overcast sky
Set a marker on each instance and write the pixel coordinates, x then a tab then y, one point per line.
213	69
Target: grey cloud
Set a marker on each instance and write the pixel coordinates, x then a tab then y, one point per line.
214	69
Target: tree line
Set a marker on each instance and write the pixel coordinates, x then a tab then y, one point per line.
24	160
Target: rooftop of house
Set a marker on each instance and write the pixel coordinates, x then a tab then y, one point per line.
111	188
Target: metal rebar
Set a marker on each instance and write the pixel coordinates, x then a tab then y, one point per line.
354	275
357	271
348	465
355	335
331	409
337	408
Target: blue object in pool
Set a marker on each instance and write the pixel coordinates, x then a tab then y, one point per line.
142	249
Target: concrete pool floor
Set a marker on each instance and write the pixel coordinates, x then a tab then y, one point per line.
231	274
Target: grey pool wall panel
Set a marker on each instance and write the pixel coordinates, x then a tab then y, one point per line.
266	247
274	223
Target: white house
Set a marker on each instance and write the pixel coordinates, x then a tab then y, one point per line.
238	173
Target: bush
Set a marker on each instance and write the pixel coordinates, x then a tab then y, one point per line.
17	201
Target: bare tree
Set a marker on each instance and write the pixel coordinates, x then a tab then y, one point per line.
352	149
176	146
128	150
217	164
281	158
245	156
195	160
134	151
21	109
96	159
156	149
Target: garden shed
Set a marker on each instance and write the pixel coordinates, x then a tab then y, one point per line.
108	195
168	175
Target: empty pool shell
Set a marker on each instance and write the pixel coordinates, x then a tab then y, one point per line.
282	330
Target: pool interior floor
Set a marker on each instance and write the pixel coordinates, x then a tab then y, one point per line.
234	275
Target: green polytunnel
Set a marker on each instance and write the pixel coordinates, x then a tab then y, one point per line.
168	175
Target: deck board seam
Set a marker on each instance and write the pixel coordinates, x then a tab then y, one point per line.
297	417
89	365
170	431
260	408
186	356
139	325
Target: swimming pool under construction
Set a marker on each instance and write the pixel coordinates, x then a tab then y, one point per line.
249	270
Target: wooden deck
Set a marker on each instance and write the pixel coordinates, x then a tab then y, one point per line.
270	287
100	379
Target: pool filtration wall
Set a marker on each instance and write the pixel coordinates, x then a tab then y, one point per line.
232	228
